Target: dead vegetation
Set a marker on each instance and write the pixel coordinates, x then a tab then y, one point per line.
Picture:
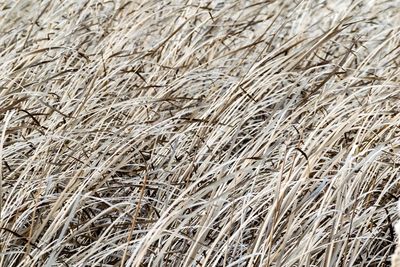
199	133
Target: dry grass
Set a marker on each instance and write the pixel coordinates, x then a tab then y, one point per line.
199	133
396	255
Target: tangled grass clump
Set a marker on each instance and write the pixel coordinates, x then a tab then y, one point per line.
199	132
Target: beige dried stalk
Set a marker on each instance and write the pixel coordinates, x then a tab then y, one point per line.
396	255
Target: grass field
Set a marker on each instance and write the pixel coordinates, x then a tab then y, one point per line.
199	132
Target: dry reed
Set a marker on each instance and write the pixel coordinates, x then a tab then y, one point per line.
199	133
